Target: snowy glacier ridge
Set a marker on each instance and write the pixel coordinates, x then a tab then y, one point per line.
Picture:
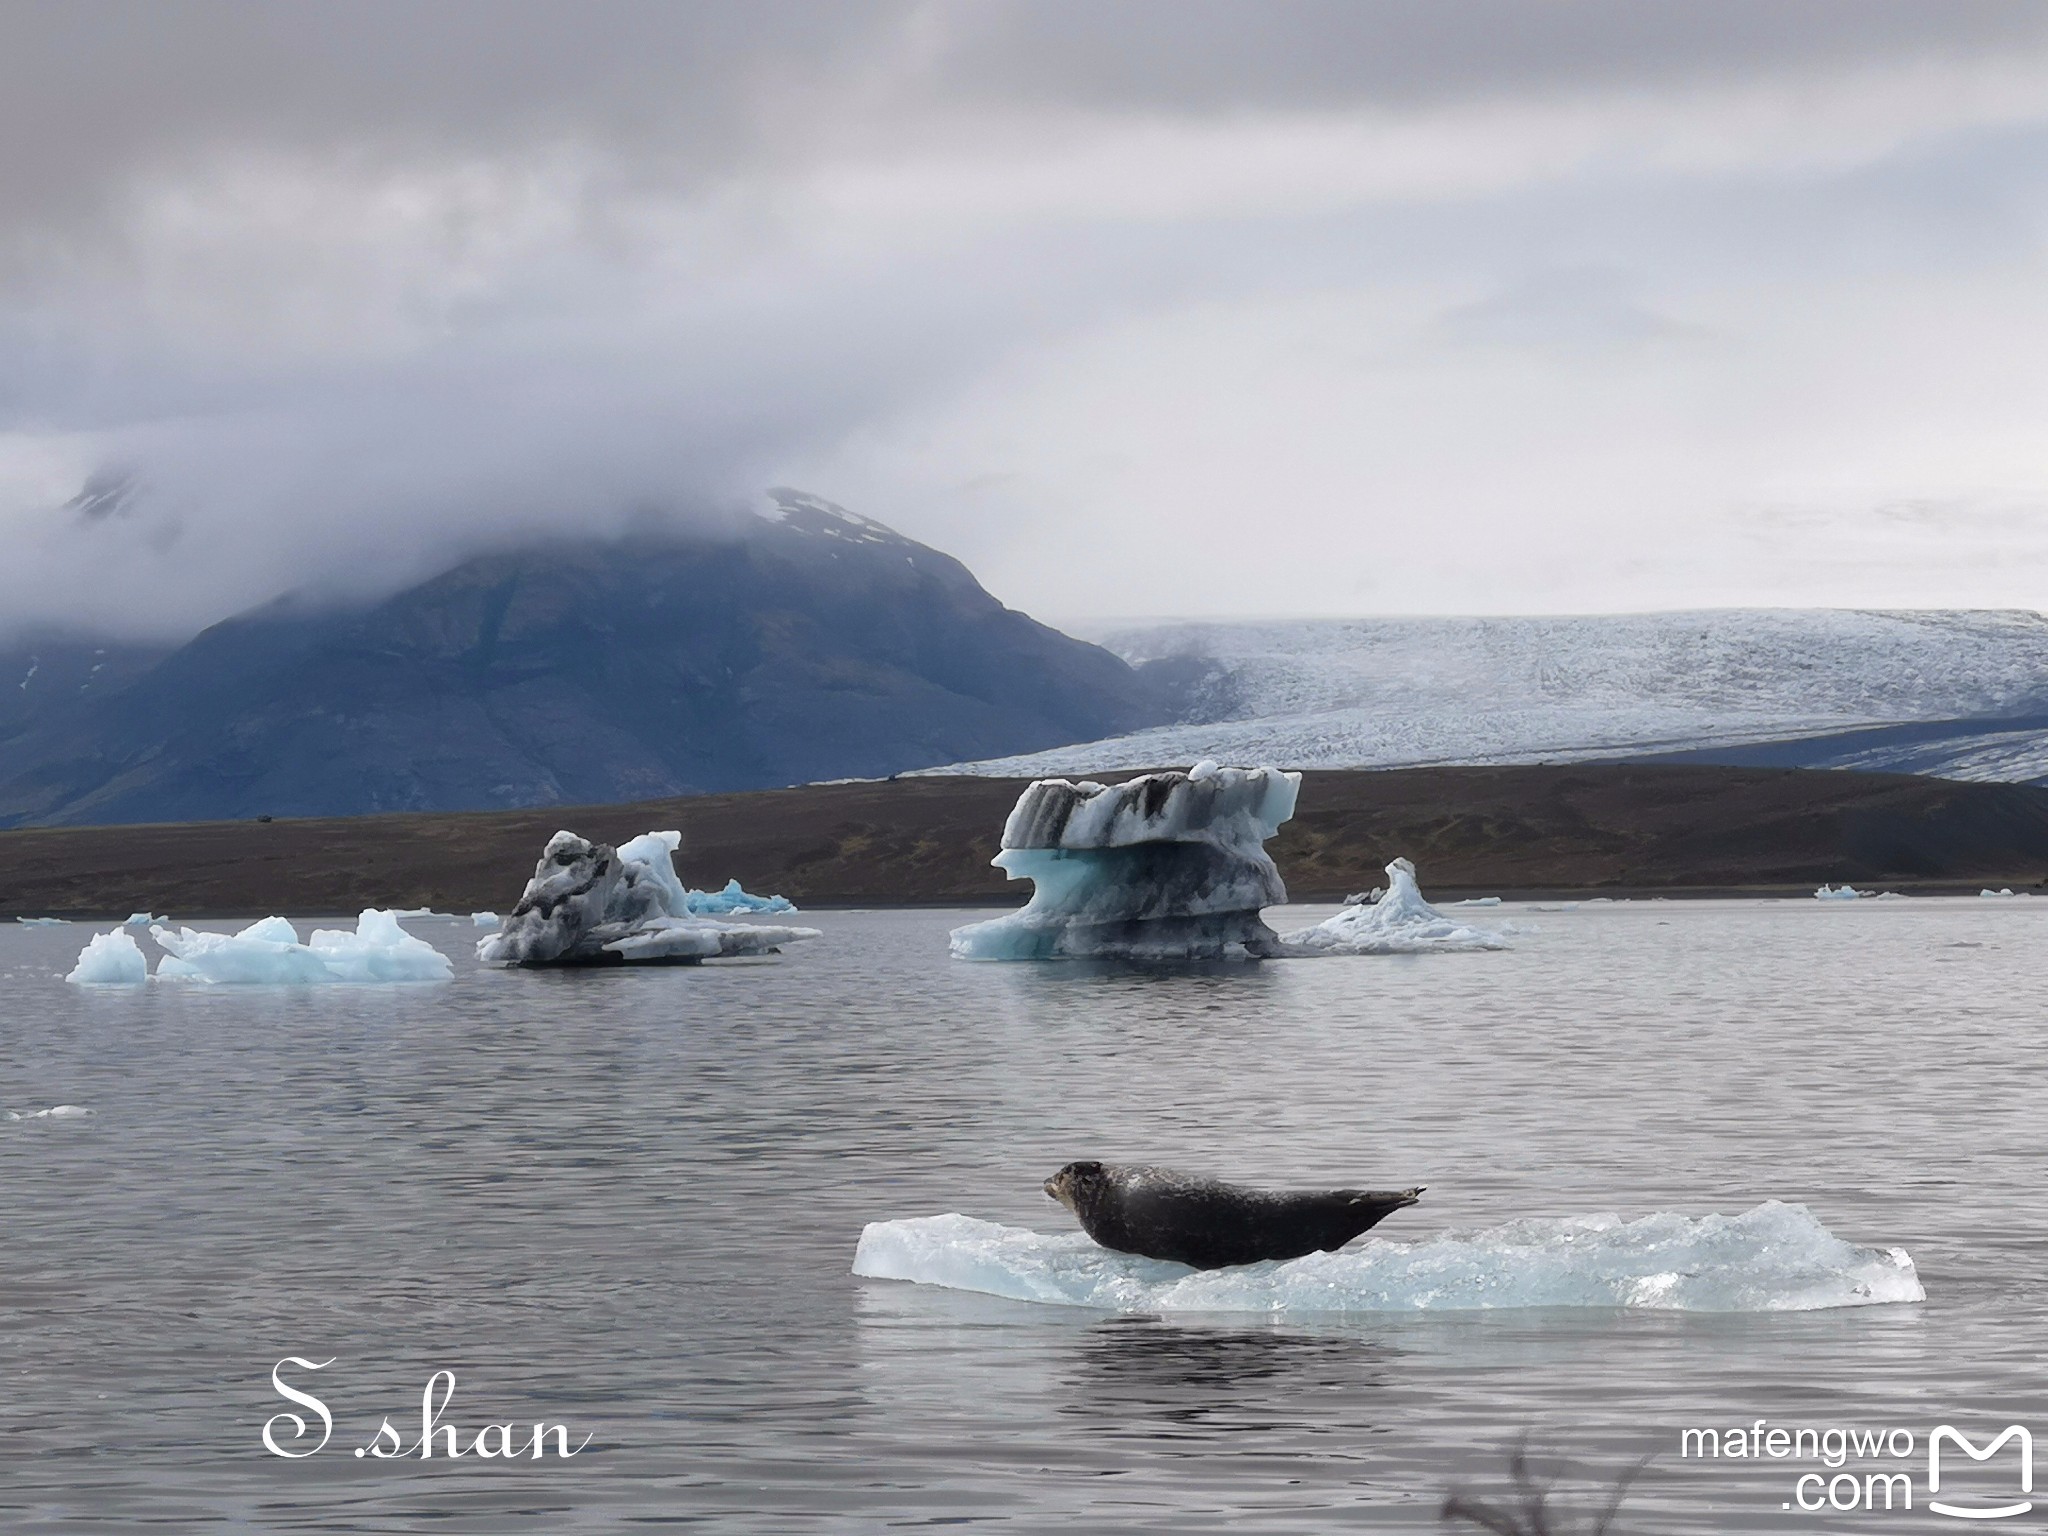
1962	693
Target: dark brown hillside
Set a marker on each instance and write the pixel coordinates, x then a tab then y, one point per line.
1612	828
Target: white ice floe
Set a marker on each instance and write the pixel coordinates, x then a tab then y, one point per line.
1844	892
54	1112
110	960
43	922
268	953
2006	891
485	919
1475	901
1399	923
1168	866
1775	1258
590	904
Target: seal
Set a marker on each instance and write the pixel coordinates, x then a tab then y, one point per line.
1158	1213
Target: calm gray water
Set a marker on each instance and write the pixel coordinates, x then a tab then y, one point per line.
628	1202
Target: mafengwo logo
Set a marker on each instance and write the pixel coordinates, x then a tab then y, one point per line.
1869	1471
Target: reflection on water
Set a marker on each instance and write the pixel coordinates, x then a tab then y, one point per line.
629	1201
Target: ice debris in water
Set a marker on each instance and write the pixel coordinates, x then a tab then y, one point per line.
1844	892
1775	1258
2006	891
142	920
60	922
110	960
269	953
54	1112
732	899
1167	866
1399	923
592	904
485	919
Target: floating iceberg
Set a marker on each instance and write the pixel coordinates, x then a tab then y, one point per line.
2007	891
61	922
110	960
1775	1258
54	1112
591	904
269	953
1399	923
142	920
484	919
1492	901
733	899
1839	893
1169	866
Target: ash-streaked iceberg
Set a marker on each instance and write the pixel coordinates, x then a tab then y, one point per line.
592	904
1168	866
268	953
110	960
1774	1258
1399	923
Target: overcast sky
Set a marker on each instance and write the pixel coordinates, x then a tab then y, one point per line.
1368	306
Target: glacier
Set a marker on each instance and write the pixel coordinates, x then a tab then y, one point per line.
1168	866
268	953
1399	923
1776	1257
592	904
110	960
1418	692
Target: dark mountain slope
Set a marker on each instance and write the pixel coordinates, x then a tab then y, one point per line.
765	652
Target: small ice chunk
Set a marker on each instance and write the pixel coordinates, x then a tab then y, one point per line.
142	920
111	959
1775	1258
1399	923
268	953
688	938
62	1112
731	898
1843	892
2007	891
43	922
1475	901
484	919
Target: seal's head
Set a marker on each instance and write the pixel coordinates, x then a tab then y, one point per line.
1075	1183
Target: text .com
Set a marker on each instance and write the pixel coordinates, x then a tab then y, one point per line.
1871	1470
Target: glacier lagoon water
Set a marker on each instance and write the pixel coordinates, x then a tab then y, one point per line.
629	1201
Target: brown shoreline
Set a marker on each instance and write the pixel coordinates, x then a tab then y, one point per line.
1525	832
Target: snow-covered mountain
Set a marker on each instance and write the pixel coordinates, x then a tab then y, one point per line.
1960	693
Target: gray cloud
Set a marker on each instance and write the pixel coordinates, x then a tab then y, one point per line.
353	289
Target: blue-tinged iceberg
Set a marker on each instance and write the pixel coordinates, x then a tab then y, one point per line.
1168	866
732	899
110	960
1775	1258
268	953
592	904
1399	923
